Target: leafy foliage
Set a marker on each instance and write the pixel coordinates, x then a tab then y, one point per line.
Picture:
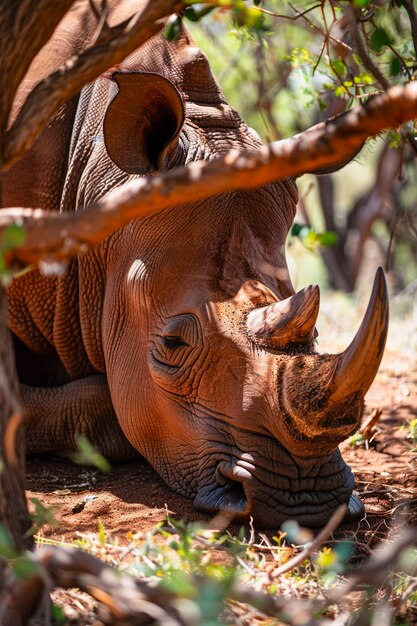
41	515
311	239
205	573
88	455
13	237
299	63
307	47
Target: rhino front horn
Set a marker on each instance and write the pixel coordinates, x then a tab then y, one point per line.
289	321
357	366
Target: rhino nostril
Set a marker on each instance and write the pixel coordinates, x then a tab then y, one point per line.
232	487
231	479
235	496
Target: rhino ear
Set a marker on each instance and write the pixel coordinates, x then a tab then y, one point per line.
143	121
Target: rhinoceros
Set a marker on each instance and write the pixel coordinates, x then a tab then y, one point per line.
180	338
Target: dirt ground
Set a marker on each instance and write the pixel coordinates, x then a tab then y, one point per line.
132	498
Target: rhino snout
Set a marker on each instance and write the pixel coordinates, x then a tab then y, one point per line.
240	488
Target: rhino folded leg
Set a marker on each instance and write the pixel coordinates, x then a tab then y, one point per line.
55	415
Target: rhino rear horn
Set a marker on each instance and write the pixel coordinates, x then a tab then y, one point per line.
357	366
290	321
143	121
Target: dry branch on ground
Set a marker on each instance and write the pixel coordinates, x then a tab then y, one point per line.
124	600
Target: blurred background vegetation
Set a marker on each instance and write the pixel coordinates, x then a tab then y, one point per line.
286	66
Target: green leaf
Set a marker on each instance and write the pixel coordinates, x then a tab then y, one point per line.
299	230
291	528
364	79
361	4
327	238
172	29
322	104
255	19
195	15
326	558
395	66
88	455
58	615
101	533
357	439
344	551
408	561
248	17
394	139
181	584
7	549
13	237
379	39
25	567
340	91
42	515
338	67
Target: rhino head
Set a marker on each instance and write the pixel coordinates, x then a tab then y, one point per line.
212	366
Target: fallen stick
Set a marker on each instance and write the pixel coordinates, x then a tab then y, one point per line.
323	535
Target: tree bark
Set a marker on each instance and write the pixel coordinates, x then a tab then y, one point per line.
13	510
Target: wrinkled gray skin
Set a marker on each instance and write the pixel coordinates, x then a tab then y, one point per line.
143	345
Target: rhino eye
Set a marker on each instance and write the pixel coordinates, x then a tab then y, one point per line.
174	342
173	345
180	330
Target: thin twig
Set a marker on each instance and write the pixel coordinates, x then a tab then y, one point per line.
331	525
361	51
289	17
401	60
316	27
375	570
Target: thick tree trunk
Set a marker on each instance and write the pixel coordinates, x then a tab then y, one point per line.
13	511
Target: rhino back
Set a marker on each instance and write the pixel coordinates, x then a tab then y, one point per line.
37	179
67	325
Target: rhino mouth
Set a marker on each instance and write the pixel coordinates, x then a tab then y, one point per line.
237	488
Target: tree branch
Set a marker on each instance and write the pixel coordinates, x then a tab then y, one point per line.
412	14
111	47
23	27
362	52
57	236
